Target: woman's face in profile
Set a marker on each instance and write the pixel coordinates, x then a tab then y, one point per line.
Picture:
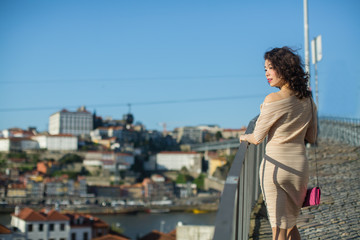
272	77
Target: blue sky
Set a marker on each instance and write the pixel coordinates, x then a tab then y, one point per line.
178	62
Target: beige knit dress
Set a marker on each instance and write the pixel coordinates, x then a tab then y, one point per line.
284	170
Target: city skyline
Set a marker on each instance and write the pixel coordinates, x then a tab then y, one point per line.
183	64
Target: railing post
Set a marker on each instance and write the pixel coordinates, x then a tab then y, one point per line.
240	193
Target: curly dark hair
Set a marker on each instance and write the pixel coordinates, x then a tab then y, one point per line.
288	66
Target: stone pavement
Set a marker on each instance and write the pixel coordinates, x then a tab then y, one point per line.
338	215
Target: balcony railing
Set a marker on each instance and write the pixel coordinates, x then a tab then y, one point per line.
342	130
241	192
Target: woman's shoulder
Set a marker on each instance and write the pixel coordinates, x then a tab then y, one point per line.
273	97
277	97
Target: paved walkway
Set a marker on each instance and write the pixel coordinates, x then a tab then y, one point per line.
338	215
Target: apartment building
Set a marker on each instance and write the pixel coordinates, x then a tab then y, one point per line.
58	142
76	123
188	135
175	161
110	161
17	144
158	188
233	133
41	225
24	140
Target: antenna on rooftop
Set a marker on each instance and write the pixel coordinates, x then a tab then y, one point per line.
129	118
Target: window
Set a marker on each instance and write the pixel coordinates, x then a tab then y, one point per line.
62	227
41	227
30	228
85	236
73	236
51	227
99	232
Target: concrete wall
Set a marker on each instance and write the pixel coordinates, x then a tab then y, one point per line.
213	183
193	232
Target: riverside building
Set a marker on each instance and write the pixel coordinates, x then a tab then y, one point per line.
52	225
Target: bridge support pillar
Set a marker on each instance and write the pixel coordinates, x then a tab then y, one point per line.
228	151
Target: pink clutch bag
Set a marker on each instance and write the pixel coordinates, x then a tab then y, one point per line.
312	197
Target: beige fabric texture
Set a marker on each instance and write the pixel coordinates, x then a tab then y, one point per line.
284	171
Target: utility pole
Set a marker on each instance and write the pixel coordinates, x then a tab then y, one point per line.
316	52
306	38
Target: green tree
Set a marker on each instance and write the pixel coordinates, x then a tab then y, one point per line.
199	181
34	158
218	135
17	155
184	178
70	158
3	163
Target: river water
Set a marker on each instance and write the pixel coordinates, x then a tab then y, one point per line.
140	224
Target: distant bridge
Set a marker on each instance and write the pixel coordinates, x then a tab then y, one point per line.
211	146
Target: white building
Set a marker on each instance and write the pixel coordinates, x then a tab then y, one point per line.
8	234
52	225
5	145
188	135
46	225
233	133
198	232
108	160
210	128
17	144
18	132
107	132
176	161
75	123
61	142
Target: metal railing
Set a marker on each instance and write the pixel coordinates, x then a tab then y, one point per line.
241	192
242	188
342	130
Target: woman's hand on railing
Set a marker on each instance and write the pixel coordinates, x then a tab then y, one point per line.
242	138
248	138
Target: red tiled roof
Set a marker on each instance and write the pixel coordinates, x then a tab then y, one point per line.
28	214
17	186
61	135
111	127
56	216
100	224
4	230
17	160
156	235
177	152
18	139
173	233
88	220
234	130
108	152
111	237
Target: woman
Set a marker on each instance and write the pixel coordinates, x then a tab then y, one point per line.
287	117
